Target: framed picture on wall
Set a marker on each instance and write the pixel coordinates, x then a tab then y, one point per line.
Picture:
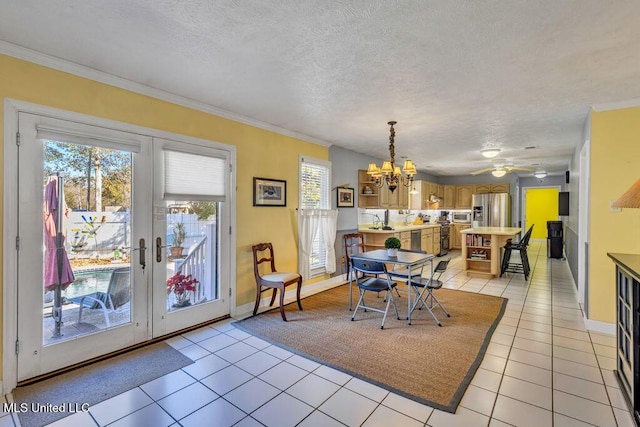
269	192
345	197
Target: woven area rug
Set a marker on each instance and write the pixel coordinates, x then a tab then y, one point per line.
94	383
429	364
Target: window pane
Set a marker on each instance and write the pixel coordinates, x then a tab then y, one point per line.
315	194
96	246
192	253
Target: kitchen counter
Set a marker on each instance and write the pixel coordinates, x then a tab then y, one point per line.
398	228
631	262
497	231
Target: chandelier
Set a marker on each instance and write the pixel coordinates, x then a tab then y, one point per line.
389	174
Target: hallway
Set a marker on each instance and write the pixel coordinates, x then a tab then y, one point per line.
542	368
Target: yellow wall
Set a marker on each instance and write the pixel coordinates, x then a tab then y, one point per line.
615	166
260	153
541	206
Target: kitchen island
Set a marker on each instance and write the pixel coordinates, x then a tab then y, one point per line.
481	249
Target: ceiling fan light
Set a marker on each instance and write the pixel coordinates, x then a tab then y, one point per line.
490	152
540	174
498	173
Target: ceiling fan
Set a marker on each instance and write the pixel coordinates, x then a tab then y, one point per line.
500	168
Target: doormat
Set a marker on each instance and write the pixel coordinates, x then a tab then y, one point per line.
429	364
94	383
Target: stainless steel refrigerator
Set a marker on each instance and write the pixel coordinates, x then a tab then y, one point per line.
491	210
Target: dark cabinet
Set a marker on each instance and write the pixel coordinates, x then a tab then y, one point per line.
554	239
628	329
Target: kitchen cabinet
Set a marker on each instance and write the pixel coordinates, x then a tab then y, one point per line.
449	197
627	284
433	190
403	197
405	240
368	192
436	241
398	199
426	240
482	188
463	196
388	199
500	188
440	191
456	237
420	199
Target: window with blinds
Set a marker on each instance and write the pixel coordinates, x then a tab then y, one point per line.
315	191
189	176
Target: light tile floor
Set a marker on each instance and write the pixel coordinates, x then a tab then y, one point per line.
542	368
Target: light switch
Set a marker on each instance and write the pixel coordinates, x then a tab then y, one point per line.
611	202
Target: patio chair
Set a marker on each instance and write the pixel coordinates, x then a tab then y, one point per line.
118	293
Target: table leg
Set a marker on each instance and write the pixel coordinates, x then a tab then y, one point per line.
409	290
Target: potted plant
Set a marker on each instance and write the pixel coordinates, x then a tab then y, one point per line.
179	234
392	244
181	286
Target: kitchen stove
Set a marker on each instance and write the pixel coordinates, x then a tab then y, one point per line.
444	236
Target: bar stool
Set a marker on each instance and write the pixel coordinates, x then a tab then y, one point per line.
521	246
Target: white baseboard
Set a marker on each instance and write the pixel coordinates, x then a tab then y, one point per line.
246	310
600	327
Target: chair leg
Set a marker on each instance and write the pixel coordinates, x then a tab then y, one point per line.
298	293
434	299
273	296
360	301
505	261
255	307
281	302
350	289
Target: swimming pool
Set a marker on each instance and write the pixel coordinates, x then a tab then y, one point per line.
87	282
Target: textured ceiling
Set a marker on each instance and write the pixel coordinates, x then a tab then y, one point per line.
456	75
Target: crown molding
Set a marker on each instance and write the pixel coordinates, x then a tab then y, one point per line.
634	102
63	65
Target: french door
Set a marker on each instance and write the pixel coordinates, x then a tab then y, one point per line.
98	269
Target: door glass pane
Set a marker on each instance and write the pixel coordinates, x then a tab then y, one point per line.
191	253
87	247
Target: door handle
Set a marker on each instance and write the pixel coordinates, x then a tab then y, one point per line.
143	251
159	248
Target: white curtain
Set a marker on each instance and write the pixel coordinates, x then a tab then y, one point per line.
310	223
328	225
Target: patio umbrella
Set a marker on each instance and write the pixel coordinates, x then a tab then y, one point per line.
57	269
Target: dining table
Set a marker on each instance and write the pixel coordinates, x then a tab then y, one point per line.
412	260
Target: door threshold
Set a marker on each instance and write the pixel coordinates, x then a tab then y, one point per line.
116	353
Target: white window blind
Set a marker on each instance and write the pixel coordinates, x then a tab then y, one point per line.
314	184
190	176
315	191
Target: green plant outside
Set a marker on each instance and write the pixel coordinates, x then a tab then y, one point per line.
392	243
179	234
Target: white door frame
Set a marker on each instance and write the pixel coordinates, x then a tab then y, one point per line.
10	219
583	220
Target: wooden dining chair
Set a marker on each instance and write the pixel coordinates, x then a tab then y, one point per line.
269	278
353	245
